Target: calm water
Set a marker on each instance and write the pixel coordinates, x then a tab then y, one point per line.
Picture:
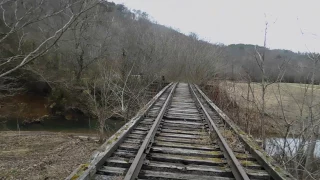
273	144
61	124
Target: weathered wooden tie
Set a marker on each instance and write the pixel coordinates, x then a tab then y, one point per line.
179	134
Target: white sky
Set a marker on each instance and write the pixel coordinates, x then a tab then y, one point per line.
240	21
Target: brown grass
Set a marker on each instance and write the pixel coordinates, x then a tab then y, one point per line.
294	102
232	99
41	155
293	97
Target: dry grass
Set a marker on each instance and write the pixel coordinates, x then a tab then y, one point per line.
294	98
41	155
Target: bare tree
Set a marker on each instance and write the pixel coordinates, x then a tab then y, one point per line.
260	59
102	95
21	17
314	121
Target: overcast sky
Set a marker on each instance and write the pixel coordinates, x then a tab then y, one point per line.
293	24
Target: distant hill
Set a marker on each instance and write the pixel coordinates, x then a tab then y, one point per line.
241	61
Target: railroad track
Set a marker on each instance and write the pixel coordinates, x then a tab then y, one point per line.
180	134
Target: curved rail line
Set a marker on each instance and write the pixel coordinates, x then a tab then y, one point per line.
180	134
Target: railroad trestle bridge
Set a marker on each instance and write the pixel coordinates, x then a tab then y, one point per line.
180	134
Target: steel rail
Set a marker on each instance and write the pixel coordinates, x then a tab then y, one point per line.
137	163
236	168
86	173
269	164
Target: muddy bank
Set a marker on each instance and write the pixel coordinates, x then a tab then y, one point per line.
42	155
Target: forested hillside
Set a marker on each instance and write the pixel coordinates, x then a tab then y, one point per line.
242	60
69	50
71	37
92	57
66	40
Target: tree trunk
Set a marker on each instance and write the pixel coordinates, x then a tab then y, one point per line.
310	154
247	109
101	130
262	116
78	75
81	66
315	132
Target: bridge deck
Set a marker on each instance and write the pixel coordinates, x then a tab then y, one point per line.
180	134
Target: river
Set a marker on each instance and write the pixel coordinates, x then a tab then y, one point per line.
273	144
60	124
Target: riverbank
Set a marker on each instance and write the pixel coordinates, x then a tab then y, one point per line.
42	155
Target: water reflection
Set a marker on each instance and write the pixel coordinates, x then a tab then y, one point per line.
275	145
59	123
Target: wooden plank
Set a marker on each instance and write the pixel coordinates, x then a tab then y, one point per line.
129	146
119	160
182	151
180	101
181	167
152	115
186	159
186	146
176	113
159	104
148	119
190	126
183	106
184	131
183	110
142	128
250	164
181	135
135	136
244	156
169	175
183	122
154	110
105	177
183	140
183	127
183	117
258	174
133	141
124	153
190	117
148	123
139	132
108	170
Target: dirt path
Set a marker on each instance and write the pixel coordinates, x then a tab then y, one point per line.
42	155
